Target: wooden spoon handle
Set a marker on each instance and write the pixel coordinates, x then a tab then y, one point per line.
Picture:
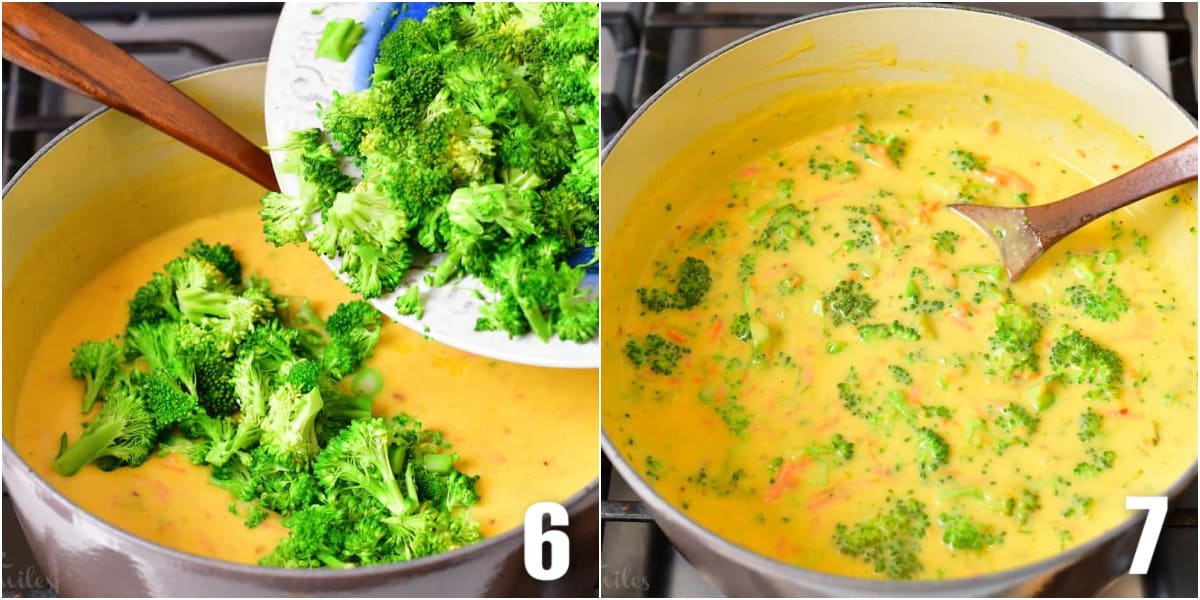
52	45
1054	221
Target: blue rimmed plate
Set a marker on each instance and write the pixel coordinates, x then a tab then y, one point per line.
297	83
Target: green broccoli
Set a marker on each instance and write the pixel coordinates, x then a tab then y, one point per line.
220	256
838	451
358	458
409	302
1089	425
1011	348
478	138
1078	359
932	451
97	364
960	532
122	433
1022	508
354	330
890	542
339	39
692	282
848	303
657	353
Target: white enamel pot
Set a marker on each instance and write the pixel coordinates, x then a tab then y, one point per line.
98	173
748	74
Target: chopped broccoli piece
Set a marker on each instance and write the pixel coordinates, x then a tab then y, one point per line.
945	241
1089	425
1011	348
1106	306
409	302
848	303
339	39
122	433
97	364
692	283
656	352
932	451
890	542
1078	359
960	532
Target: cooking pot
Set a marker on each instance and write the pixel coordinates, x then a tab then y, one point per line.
125	183
880	43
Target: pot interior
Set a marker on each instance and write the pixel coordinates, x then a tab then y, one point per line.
660	146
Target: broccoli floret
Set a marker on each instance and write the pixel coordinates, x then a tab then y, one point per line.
372	271
838	451
1078	359
310	157
945	241
251	389
97	364
289	428
159	345
740	327
438	482
1089	425
691	284
358	458
788	222
848	303
340	410
894	145
1098	462
354	329
154	302
578	315
507	207
1106	306
932	451
409	302
890	542
122	433
282	485
657	353
360	216
1010	352
1022	508
287	218
960	532
220	256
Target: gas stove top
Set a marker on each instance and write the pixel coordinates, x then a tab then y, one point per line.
644	45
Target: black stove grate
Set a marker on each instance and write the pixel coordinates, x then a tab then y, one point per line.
642	35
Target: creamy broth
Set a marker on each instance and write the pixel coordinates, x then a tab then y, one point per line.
739	434
529	433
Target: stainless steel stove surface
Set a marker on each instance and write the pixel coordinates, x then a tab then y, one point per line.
644	45
170	38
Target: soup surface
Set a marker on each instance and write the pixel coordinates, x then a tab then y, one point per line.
529	433
861	390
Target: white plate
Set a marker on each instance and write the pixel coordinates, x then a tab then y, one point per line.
296	83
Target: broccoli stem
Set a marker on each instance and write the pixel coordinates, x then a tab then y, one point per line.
88	448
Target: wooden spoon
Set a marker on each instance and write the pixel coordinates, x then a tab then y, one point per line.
52	45
1024	234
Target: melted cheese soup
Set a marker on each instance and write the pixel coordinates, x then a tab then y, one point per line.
811	356
529	433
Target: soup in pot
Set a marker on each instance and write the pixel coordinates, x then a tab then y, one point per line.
529	433
811	356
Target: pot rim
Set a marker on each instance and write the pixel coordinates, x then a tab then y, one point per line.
576	504
761	563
